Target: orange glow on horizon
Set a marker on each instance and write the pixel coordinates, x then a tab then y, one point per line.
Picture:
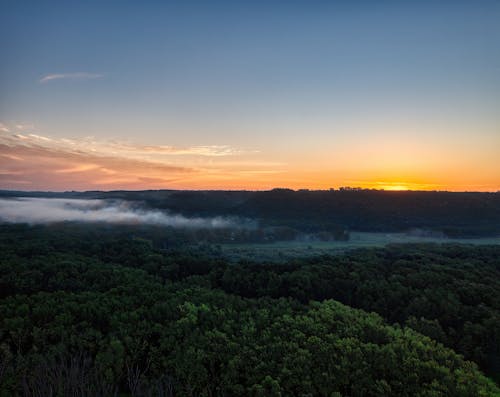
395	187
41	163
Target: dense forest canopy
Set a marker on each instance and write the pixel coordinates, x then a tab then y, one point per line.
103	311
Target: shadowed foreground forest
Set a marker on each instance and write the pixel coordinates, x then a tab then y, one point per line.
94	312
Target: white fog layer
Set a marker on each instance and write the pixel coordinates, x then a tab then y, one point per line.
49	210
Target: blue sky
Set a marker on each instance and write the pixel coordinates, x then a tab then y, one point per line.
281	82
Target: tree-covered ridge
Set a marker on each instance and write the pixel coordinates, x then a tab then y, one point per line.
456	214
114	315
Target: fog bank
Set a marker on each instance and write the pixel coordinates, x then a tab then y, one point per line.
50	210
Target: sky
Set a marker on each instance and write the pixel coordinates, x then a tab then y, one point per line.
106	95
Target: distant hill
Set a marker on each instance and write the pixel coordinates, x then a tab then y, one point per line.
463	214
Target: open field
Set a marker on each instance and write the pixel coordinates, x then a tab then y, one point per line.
285	250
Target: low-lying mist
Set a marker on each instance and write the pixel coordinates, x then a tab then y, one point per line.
51	210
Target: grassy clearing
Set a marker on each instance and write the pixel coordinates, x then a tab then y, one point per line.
286	250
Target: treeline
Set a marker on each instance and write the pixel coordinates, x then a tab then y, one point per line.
113	315
65	235
464	214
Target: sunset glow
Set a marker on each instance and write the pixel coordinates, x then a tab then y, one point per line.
401	98
395	187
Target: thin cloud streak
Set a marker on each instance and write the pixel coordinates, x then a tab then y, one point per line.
70	76
43	162
58	169
117	148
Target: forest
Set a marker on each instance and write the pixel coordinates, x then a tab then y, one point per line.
113	311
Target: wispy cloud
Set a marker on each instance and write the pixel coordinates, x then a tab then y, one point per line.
118	148
78	168
61	169
20	127
70	76
40	137
54	163
207	150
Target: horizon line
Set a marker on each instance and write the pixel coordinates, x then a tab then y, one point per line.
339	189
